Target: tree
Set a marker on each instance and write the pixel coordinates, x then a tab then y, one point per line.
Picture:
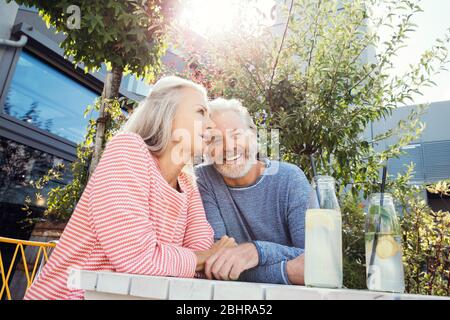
317	87
62	198
127	36
313	82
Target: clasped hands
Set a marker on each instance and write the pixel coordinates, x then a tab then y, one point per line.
226	260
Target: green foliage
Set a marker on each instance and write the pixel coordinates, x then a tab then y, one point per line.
425	238
353	242
61	200
126	36
322	82
129	35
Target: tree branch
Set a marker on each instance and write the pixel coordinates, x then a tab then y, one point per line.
281	47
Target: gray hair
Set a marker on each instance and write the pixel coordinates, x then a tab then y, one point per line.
153	118
221	105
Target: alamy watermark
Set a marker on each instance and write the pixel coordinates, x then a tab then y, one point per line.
74	18
230	150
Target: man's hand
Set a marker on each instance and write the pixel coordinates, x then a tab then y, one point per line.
228	264
296	270
202	256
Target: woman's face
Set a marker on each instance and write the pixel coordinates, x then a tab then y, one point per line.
191	128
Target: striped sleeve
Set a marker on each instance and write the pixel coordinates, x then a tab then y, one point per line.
199	235
119	205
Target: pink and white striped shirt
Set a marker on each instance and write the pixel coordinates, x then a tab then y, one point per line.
128	220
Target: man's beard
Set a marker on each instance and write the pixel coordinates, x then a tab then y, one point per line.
236	171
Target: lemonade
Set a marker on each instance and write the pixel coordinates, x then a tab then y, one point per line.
386	273
323	251
384	266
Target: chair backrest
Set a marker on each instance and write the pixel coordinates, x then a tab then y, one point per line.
43	260
44	251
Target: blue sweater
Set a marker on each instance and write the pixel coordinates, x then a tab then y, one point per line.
270	213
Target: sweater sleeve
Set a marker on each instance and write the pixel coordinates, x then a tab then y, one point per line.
270	252
119	205
300	198
271	273
199	235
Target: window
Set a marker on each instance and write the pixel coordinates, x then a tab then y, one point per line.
19	166
49	99
412	154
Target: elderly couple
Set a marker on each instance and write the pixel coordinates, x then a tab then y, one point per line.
236	218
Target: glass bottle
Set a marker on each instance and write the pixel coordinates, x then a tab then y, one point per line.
323	237
384	267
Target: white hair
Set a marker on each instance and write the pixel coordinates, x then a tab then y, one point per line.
221	105
153	118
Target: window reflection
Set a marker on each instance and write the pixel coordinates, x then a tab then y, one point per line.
19	166
47	98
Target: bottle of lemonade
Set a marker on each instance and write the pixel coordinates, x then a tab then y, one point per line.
384	266
323	238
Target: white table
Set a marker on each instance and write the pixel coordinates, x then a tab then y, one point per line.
112	286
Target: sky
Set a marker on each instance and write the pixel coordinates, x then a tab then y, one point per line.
209	15
432	24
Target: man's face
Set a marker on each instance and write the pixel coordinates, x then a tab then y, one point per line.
234	149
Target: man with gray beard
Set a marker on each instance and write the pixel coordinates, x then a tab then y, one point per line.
260	203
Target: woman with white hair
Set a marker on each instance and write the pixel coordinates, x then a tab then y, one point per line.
140	212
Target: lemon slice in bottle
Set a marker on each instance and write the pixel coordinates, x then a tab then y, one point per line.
386	247
319	218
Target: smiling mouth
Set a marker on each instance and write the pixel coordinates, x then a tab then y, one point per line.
231	159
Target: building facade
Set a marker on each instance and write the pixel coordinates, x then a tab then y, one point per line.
430	153
42	101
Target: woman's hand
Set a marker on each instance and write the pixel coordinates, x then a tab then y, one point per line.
202	256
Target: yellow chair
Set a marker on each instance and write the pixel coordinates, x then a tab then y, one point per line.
43	253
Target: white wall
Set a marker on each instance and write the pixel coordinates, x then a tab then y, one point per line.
436	120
